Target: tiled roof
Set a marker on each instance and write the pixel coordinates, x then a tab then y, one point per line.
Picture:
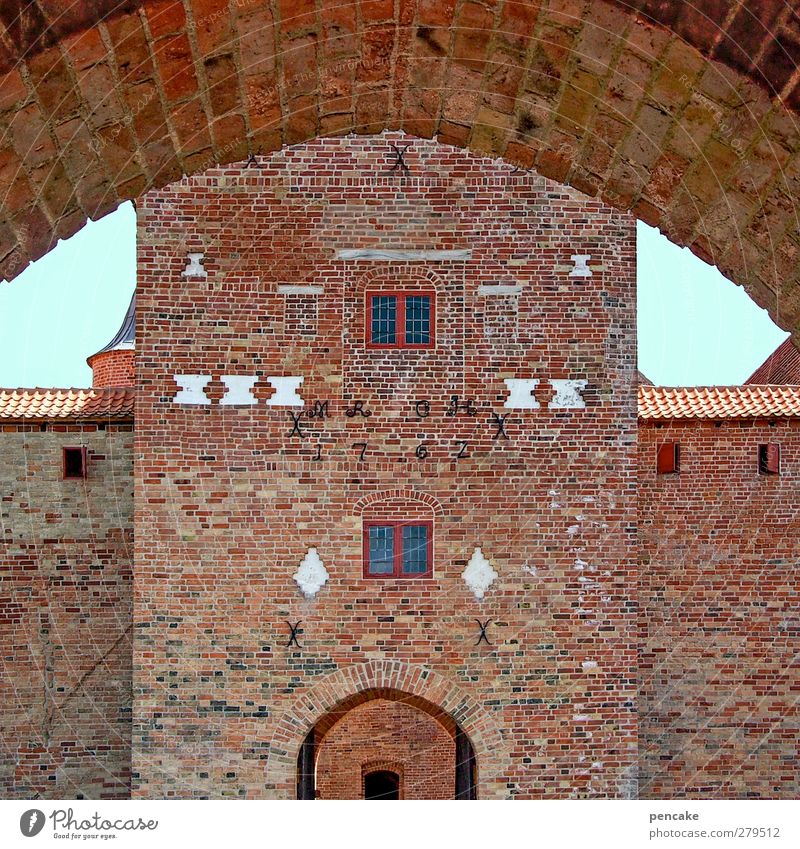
72	404
781	366
718	402
655	402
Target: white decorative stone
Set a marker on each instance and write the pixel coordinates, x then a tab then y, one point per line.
479	574
285	392
311	574
410	255
191	388
194	266
299	289
238	389
581	269
567	395
520	393
500	289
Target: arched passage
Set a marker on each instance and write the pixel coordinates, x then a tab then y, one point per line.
680	113
359	683
381	741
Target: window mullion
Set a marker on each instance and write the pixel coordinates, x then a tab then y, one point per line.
398	549
401	320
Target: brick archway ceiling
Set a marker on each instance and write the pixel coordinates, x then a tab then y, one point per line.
683	113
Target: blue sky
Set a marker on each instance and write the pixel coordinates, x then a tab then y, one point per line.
694	326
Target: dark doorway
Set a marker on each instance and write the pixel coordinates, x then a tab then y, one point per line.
382	784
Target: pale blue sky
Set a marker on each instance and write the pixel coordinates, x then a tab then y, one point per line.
695	327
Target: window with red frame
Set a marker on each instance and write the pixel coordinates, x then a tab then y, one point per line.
400	319
398	549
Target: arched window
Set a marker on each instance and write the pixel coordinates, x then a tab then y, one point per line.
381	784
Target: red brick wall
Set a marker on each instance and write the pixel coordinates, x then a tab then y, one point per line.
383	734
227	503
65	613
719	593
113	368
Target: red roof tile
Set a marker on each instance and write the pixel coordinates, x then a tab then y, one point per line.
116	403
781	366
719	402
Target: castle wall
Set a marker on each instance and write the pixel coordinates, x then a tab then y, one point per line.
719	592
65	613
229	498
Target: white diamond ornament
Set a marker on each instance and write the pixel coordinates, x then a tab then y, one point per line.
479	574
311	574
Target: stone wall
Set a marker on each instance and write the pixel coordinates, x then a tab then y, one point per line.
65	613
230	497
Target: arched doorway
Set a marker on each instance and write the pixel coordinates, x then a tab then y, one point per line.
386	744
383	784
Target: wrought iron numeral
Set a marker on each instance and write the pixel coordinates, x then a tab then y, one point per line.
318	455
463	450
422	451
422	409
363	446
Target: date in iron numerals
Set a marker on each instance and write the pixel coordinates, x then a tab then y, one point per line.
363	447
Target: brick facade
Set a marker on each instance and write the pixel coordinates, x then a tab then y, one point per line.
392	735
65	612
228	500
617	664
113	368
719	590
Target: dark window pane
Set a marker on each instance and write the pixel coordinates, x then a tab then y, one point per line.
415	549
381	550
418	320
384	320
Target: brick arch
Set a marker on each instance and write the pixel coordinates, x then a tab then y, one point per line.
399	494
661	109
358	683
415	276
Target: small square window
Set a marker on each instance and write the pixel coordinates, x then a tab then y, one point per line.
769	459
74	462
398	549
400	319
668	458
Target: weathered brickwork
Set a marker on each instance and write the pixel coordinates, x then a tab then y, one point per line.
230	498
720	545
392	735
65	612
683	114
659	661
113	368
